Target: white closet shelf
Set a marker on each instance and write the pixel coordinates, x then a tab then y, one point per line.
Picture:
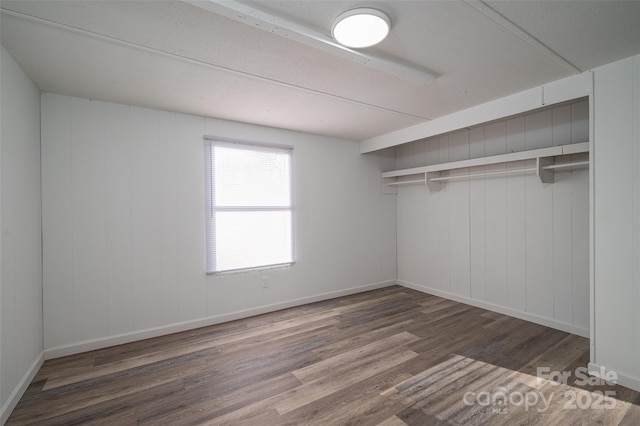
544	165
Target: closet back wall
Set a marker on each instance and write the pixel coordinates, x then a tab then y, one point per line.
509	242
124	225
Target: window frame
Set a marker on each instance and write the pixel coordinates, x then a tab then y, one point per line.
209	144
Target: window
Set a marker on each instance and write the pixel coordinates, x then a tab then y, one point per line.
249	206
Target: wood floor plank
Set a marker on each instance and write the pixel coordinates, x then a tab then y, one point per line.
106	412
443	305
292	313
351	359
350	340
359	403
324	386
164	343
355	328
492	379
392	421
364	305
256	332
449	390
56	402
66	377
206	403
632	416
433	300
558	358
226	373
413	416
388	357
302	330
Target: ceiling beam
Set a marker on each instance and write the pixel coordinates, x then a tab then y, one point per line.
291	30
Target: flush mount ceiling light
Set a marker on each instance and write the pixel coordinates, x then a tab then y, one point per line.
361	27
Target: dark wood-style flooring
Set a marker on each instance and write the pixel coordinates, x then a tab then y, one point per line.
388	357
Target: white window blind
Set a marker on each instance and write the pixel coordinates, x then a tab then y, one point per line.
250	220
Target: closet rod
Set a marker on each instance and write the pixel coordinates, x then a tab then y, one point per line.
566	165
500	172
405	182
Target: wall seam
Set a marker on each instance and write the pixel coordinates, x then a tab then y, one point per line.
73	281
635	133
41	229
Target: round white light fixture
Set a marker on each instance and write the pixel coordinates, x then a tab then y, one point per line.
361	27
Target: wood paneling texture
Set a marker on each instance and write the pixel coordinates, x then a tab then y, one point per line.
20	232
617	217
509	241
124	224
57	220
387	357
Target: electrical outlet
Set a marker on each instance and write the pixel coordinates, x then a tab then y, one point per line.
265	282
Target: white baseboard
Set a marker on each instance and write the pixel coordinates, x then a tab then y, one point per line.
20	389
89	345
624	379
548	322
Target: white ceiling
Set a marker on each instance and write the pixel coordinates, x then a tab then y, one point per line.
182	57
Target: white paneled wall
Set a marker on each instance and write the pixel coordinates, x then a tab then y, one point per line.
124	229
20	250
509	243
616	335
